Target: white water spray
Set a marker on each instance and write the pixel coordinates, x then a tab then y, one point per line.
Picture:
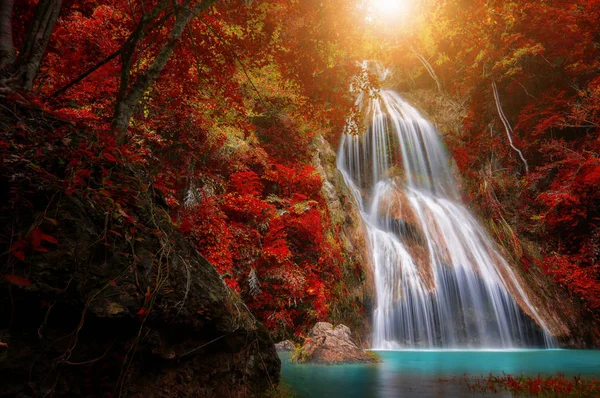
439	279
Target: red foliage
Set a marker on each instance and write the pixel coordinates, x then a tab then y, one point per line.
532	386
245	183
238	186
277	239
206	225
17	280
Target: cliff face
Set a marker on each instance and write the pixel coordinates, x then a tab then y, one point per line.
98	298
354	306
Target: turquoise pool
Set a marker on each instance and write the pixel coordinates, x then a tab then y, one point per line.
418	373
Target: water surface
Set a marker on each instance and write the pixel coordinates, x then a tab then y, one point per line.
418	373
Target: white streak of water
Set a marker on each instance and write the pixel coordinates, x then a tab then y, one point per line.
456	293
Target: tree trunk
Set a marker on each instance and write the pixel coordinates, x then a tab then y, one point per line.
7	49
129	98
34	46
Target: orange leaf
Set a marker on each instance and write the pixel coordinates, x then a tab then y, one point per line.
51	220
17	280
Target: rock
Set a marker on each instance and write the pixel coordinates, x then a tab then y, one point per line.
285	346
396	210
90	320
357	270
329	345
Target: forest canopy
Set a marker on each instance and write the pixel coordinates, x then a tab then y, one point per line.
216	105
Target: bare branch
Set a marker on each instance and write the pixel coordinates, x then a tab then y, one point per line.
428	67
508	128
86	73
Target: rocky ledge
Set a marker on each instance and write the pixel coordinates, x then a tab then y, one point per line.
332	345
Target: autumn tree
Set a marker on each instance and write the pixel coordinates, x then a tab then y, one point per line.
20	71
215	106
164	12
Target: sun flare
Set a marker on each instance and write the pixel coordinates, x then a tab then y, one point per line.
390	9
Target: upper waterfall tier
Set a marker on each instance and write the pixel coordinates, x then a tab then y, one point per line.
440	280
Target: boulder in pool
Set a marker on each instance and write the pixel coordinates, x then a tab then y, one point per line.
332	345
285	346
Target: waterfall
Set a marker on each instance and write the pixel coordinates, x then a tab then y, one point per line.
440	281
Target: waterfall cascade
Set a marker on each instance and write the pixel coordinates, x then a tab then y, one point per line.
439	279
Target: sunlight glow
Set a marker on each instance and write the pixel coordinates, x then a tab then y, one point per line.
388	10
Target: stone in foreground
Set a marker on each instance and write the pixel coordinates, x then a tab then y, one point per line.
329	345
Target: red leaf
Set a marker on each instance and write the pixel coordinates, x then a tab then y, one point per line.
48	238
17	280
112	283
20	255
186	226
36	238
110	157
127	216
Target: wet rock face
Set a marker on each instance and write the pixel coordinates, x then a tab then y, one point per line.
80	327
398	215
358	277
332	345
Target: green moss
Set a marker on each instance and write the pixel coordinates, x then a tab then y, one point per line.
299	355
373	355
